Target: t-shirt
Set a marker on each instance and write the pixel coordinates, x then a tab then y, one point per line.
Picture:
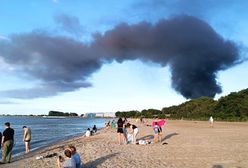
120	124
69	163
87	133
156	129
77	160
8	134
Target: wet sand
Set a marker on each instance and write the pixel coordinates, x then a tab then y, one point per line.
191	144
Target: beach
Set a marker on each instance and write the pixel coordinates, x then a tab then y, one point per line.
190	144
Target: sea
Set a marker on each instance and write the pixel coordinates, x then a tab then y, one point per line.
47	131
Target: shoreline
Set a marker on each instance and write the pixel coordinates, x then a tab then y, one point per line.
191	144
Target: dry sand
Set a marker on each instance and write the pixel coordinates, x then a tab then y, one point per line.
191	144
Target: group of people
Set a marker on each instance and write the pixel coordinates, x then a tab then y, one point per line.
122	133
71	158
90	132
7	141
127	132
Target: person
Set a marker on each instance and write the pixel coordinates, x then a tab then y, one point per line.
107	125
157	131
113	124
66	162
75	156
26	138
7	143
135	131
94	129
125	121
88	133
120	131
211	121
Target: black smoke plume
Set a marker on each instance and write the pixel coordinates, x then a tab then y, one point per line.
192	49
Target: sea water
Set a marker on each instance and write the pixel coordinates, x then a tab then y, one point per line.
47	131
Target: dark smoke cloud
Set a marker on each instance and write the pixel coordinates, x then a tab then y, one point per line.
192	49
70	24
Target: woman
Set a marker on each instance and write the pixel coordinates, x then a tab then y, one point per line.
120	132
135	131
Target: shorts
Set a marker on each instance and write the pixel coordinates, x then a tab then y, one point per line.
136	130
120	130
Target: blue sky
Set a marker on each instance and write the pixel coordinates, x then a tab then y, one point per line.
28	87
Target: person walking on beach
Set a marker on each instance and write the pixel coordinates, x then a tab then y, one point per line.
7	143
120	131
26	138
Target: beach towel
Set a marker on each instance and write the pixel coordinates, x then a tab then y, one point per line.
160	123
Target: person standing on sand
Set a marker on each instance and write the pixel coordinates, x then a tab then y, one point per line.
211	121
7	143
120	131
26	138
157	130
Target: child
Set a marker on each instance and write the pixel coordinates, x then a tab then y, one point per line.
157	130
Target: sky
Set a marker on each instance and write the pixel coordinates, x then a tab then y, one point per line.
107	55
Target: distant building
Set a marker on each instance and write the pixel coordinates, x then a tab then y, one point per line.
100	115
90	115
109	115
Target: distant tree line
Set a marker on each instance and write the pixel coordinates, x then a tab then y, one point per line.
233	107
58	113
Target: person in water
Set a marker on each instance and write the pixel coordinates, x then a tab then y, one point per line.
26	138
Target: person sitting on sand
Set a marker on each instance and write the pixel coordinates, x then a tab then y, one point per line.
120	131
75	156
94	129
135	131
107	125
66	162
88	133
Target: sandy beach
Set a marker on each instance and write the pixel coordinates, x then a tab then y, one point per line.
191	144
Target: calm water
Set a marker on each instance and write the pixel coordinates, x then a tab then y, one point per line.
46	131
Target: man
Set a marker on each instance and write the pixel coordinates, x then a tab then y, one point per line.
26	138
7	143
